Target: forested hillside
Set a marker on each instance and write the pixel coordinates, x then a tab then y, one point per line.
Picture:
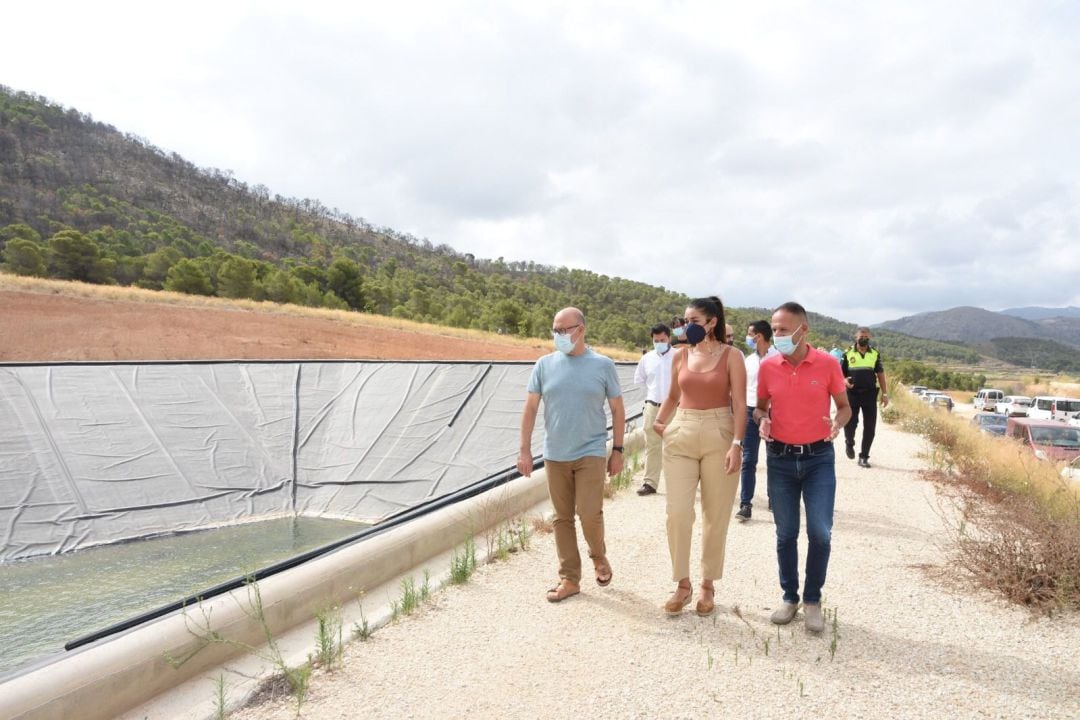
81	200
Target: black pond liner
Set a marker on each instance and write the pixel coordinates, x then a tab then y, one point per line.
490	482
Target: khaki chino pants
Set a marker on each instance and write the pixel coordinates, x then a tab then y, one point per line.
577	486
695	444
654	448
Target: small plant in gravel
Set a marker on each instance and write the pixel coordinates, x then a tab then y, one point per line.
295	679
835	642
221	698
463	562
328	641
361	630
542	524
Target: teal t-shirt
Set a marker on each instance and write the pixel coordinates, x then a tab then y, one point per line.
574	390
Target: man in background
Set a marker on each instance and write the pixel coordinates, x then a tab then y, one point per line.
574	382
864	374
759	343
654	372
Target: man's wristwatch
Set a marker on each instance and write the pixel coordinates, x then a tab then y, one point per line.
737	442
615	448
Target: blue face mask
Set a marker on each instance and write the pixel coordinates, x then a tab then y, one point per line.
679	332
785	344
564	343
750	344
660	347
694	334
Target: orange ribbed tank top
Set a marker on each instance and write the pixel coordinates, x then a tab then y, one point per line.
705	390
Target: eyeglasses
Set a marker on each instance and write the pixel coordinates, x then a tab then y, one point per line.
565	330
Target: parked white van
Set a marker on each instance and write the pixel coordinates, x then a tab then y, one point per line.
1065	409
987	399
1042	407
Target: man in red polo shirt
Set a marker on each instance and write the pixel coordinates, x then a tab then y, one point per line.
794	419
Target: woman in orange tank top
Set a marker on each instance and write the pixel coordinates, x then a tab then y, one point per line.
702	448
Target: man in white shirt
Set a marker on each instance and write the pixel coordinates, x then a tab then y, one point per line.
759	343
654	372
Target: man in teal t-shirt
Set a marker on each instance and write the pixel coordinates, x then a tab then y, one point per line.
574	382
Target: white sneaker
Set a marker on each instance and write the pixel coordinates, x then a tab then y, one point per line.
815	621
785	613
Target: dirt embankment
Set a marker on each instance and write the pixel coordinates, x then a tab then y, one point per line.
37	326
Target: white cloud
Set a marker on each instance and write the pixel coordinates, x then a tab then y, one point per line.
868	161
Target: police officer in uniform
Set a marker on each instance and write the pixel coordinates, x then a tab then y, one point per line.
864	374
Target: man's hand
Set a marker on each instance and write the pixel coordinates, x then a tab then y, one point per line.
525	463
834	428
614	463
765	428
884	399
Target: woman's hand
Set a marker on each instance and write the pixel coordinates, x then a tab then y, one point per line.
733	460
659	428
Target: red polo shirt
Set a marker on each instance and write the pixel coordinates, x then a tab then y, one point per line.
800	395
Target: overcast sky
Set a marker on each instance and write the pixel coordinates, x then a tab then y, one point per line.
870	160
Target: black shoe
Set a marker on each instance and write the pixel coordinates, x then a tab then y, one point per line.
850	450
646	489
744	512
864	462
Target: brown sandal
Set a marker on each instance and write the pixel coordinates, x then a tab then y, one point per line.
674	606
706	602
603	575
563	590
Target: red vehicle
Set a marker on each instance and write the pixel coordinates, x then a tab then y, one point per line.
1049	440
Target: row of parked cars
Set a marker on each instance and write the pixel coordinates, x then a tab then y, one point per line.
1040	407
934	398
1049	426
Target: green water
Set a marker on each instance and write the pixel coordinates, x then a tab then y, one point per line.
47	602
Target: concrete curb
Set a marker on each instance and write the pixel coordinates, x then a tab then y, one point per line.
114	675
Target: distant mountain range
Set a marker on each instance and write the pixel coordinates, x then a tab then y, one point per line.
1028	337
1042	313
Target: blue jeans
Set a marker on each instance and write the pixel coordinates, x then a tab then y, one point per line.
813	477
748	475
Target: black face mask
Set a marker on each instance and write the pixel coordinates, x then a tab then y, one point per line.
864	342
694	334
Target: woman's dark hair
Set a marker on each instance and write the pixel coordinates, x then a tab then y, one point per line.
713	308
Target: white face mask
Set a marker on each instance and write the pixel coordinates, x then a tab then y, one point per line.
564	342
786	344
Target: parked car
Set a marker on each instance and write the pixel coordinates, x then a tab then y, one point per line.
928	395
990	423
1044	407
941	400
1048	439
918	389
988	398
1014	406
1065	409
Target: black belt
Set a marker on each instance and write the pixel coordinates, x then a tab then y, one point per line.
779	448
650	402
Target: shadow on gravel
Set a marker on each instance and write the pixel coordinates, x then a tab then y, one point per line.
1000	673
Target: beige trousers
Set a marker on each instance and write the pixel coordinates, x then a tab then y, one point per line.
695	444
654	448
577	485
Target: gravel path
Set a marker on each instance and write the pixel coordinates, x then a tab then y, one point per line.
906	646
